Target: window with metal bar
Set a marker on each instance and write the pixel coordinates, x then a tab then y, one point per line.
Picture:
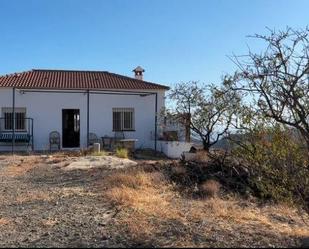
123	119
20	119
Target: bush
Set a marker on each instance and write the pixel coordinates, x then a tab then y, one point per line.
179	174
210	188
122	153
278	165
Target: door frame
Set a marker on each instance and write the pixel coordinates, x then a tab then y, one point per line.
63	132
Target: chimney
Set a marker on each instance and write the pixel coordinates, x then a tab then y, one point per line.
138	73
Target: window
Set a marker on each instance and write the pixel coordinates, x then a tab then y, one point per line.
123	119
20	118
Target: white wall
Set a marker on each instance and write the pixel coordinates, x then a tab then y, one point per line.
46	110
174	149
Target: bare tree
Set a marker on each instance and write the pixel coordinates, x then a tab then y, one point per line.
277	78
210	110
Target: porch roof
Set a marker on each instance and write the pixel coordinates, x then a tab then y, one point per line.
73	79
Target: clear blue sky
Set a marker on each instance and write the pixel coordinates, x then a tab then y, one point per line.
174	40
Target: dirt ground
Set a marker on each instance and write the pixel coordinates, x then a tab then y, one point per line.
44	204
58	202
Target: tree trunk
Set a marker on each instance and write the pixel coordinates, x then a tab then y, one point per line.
206	146
307	143
188	127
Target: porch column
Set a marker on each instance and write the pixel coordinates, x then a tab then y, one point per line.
88	100
156	120
13	107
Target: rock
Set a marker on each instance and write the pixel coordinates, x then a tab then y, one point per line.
305	243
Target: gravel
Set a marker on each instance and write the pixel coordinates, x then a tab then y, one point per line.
46	202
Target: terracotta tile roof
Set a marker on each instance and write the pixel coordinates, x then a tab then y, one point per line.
67	79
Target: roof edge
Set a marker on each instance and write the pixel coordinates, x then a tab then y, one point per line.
158	86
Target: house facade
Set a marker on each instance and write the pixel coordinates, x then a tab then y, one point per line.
76	103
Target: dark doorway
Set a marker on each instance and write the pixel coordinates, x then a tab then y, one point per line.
70	128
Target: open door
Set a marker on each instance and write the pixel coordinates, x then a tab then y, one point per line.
70	128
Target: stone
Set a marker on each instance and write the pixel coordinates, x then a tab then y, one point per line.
305	243
96	147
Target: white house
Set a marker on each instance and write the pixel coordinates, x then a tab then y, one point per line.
75	104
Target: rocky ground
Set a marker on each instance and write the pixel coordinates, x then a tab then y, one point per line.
53	201
61	201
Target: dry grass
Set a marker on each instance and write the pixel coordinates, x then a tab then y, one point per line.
179	170
101	153
33	196
19	166
4	221
210	188
202	156
141	191
50	222
122	153
150	208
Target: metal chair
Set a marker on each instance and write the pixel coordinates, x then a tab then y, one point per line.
54	139
93	138
107	142
118	135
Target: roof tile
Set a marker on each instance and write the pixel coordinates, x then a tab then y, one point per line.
67	79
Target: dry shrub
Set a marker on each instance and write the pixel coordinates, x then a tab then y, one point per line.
149	208
135	226
210	188
157	179
141	191
234	212
202	156
125	179
122	153
178	173
178	170
137	199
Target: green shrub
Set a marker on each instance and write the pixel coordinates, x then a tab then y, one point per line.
278	163
122	153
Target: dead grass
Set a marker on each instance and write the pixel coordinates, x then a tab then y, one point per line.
150	207
141	191
19	166
4	221
202	156
210	188
101	153
33	196
50	222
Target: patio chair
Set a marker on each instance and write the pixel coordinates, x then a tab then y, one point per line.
93	138
107	142
54	140
118	135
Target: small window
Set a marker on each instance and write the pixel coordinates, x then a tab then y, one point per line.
123	119
20	119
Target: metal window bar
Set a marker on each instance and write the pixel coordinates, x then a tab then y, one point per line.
123	119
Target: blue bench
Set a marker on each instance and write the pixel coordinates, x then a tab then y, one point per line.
19	138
